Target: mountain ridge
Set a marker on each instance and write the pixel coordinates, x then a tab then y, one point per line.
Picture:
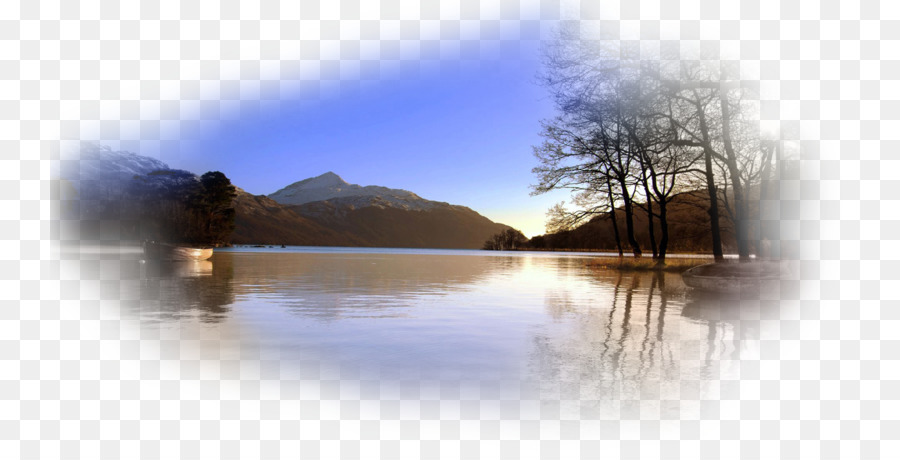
351	215
374	216
330	186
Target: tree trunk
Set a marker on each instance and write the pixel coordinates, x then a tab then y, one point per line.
740	208
740	199
612	217
664	227
621	178
763	245
629	218
713	210
650	217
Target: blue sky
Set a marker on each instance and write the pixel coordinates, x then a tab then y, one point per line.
461	135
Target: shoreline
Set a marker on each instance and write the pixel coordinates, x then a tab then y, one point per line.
673	263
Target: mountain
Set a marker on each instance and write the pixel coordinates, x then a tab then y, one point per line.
102	163
123	196
261	220
119	192
105	181
330	186
381	225
103	174
385	217
344	222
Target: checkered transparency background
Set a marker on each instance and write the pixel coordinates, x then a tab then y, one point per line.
78	381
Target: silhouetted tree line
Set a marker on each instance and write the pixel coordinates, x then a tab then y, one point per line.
633	137
170	206
688	230
193	211
507	240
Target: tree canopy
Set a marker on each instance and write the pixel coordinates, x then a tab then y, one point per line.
631	133
189	210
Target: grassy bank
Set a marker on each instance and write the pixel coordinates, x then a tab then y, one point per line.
673	264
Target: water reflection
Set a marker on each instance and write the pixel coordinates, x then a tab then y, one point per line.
733	323
331	287
549	323
646	334
182	290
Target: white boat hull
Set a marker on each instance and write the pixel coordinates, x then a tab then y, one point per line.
162	251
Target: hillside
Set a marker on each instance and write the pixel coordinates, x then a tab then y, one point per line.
128	196
370	215
688	229
327	211
261	220
377	225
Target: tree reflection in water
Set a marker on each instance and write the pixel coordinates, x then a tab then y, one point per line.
648	337
178	290
544	324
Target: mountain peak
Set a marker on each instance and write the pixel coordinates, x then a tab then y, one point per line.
326	180
331	176
312	189
96	162
330	186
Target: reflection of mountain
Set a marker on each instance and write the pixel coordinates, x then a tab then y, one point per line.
333	286
326	285
586	336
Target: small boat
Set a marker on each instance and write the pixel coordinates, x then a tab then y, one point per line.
164	251
736	277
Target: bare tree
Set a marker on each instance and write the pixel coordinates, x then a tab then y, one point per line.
583	165
633	132
716	115
588	145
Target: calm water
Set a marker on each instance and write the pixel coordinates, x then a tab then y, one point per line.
526	323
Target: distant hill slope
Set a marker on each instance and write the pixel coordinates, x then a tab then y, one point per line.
322	211
327	211
120	196
380	216
444	226
103	164
688	229
261	220
102	178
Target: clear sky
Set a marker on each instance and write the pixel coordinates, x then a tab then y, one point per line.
463	135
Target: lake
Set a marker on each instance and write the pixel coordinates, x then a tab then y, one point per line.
515	325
